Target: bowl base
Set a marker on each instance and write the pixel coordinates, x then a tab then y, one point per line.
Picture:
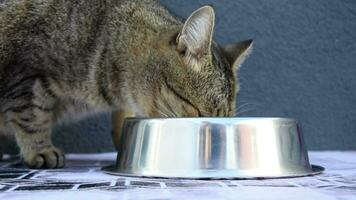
316	170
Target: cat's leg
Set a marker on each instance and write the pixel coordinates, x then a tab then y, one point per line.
118	118
31	119
1	147
2	137
4	134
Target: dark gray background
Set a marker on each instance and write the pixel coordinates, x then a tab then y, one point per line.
303	66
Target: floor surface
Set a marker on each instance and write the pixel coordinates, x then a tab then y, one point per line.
83	179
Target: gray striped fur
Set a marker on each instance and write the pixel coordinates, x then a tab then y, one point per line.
60	56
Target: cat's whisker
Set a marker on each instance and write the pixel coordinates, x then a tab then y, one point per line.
244	106
164	108
174	114
248	103
171	110
161	113
254	103
245	101
159	110
243	111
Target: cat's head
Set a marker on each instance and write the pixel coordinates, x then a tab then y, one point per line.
198	77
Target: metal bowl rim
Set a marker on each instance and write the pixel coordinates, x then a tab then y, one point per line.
211	118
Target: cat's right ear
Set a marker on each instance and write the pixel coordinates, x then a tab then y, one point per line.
238	52
196	35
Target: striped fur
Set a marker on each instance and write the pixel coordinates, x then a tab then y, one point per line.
60	56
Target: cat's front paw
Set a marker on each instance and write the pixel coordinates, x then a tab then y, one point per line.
46	158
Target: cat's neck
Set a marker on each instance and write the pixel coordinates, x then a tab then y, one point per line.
135	33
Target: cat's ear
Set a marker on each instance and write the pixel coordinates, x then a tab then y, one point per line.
238	52
196	35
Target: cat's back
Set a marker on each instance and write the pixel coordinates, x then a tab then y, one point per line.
27	26
72	30
73	22
16	16
150	12
35	29
19	21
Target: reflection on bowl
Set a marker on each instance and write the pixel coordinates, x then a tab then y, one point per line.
217	148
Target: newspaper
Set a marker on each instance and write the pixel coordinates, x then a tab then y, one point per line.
83	179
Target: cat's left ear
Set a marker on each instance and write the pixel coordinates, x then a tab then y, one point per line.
197	32
237	53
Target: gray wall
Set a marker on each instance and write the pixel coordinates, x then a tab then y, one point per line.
303	66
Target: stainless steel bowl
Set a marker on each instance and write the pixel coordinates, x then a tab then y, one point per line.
212	148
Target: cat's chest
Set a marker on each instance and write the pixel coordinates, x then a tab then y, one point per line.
69	110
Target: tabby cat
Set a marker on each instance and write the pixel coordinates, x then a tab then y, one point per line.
66	57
